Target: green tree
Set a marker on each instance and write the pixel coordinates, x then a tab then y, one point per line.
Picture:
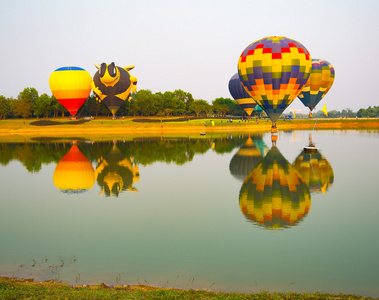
28	96
42	106
144	102
185	98
22	108
5	107
198	106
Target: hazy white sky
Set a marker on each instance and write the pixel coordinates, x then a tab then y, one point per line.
193	45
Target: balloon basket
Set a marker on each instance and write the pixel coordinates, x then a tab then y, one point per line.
274	129
310	149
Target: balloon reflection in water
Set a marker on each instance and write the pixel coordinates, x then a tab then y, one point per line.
74	172
248	157
315	170
116	173
274	195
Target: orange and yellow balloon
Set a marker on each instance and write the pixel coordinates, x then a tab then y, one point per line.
71	86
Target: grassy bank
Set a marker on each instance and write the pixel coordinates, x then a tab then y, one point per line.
27	289
145	127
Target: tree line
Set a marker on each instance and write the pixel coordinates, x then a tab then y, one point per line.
29	104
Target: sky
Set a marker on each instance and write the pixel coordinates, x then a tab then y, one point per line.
193	45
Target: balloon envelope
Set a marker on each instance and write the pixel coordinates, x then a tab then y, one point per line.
71	86
113	85
273	71
319	83
239	94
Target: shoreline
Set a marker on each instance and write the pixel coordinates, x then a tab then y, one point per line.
129	127
13	288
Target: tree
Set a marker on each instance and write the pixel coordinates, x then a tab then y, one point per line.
42	106
144	102
22	108
29	96
208	109
221	109
185	98
5	107
198	106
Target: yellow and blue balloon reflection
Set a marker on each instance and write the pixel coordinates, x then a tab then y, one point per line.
274	195
314	169
248	157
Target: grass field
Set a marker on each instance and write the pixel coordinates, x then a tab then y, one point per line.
145	127
27	289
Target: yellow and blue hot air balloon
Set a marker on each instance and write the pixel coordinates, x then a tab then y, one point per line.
74	173
71	86
319	83
274	195
273	70
240	95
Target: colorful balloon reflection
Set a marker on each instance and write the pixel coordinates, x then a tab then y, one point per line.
116	173
248	157
274	195
314	169
74	172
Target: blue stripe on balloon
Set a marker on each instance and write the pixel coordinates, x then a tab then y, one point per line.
70	68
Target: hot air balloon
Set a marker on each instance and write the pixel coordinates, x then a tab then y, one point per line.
113	85
240	95
273	71
319	83
71	86
74	173
247	157
314	169
116	173
274	195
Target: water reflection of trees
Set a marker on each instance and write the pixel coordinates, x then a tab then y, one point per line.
32	155
144	151
274	195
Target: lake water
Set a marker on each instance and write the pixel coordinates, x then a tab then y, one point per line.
230	212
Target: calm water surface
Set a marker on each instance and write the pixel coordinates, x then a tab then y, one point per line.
227	213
